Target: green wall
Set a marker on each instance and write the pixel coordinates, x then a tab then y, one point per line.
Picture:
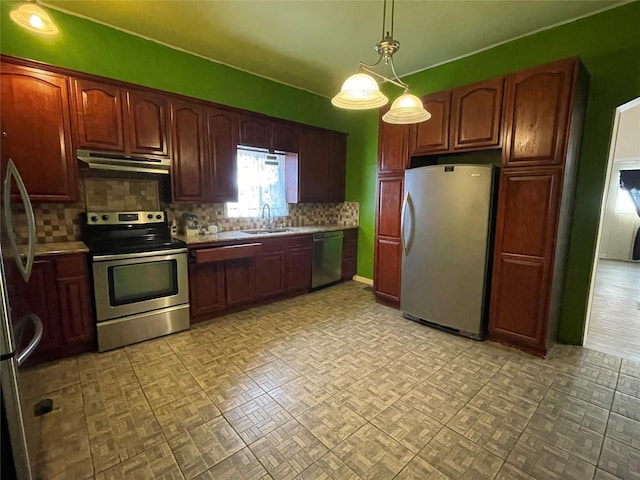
608	44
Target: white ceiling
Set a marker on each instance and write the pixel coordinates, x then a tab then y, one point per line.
316	44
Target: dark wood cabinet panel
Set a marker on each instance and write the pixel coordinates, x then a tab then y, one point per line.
337	168
255	131
271	274
537	114
206	290
390	191
393	146
147	123
349	254
388	269
98	115
519	299
299	262
222	128
58	292
42	299
313	166
476	114
528	211
284	137
190	165
36	132
432	136
240	280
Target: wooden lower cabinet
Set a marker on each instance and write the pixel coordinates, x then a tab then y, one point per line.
240	280
388	270
206	290
299	262
350	254
58	292
271	269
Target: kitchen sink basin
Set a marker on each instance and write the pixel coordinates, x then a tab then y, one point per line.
258	231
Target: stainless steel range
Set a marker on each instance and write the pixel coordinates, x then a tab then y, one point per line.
140	280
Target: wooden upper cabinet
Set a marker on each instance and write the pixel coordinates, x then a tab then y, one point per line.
284	137
190	163
98	116
476	114
147	123
432	136
255	131
36	132
222	136
313	166
537	107
337	167
393	146
112	118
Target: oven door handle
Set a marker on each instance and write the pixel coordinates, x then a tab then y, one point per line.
128	256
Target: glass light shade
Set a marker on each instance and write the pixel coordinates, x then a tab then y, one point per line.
407	108
360	92
33	18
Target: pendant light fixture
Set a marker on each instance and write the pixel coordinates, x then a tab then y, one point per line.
32	16
361	91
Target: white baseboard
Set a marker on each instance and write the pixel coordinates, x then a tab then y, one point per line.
365	280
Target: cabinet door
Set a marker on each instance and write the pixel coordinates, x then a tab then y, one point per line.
432	136
190	162
393	146
42	298
255	131
98	116
36	132
349	253
76	320
222	136
299	261
525	240
240	280
284	137
337	167
271	269
206	290
537	114
390	190
476	112
388	269
147	123
313	166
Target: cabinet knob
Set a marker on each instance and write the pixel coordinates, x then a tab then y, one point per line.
4	134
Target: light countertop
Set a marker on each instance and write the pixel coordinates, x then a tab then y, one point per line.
234	235
59	248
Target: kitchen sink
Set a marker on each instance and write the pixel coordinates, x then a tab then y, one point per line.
258	231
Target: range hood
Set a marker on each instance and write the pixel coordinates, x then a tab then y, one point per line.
124	163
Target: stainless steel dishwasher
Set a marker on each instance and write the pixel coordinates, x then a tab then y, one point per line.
327	258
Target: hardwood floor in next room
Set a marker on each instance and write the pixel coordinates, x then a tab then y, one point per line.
332	385
614	325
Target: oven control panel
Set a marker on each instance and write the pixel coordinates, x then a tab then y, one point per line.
124	218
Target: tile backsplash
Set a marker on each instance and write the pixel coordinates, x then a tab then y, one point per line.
60	222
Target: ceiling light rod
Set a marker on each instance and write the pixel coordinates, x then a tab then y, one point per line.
363	67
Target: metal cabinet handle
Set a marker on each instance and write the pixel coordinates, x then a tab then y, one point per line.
33	343
25	268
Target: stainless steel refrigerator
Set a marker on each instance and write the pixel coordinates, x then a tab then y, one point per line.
446	224
20	330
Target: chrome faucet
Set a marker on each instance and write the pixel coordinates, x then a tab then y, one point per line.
268	214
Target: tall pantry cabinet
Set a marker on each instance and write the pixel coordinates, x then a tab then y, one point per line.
537	122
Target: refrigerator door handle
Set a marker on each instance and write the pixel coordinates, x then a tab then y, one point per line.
406	241
33	343
25	268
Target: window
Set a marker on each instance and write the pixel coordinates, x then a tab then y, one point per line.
260	181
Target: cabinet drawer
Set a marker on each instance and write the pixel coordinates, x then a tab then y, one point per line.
300	241
231	252
70	265
273	245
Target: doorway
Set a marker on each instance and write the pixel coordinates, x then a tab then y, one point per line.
613	315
